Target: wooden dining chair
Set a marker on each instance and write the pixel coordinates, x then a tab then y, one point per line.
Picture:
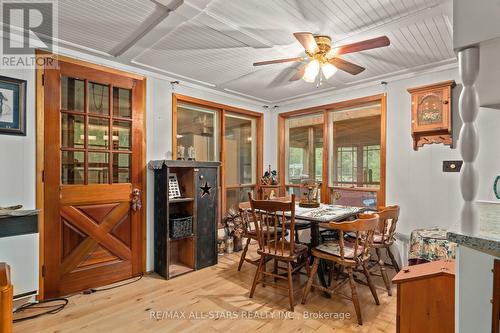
270	217
384	238
349	255
249	233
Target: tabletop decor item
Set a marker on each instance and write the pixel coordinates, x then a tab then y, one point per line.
12	106
180	152
173	186
431	114
191	153
310	195
270	177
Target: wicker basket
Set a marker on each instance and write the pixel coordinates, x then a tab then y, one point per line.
180	226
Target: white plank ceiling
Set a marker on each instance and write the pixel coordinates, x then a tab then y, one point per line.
215	42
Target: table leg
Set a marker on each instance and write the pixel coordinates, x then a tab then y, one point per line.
315	241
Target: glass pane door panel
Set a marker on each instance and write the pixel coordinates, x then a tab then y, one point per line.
122	135
72	94
122	102
197	128
72	167
98	171
240	150
355	146
72	130
236	195
121	168
98	133
98	98
304	149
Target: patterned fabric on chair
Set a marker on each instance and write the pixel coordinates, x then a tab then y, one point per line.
334	249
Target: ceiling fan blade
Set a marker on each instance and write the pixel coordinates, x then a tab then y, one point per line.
346	66
277	61
361	46
307	41
299	73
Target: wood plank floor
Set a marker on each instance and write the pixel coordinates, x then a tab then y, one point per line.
215	291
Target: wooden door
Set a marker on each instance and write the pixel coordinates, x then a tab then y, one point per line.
94	166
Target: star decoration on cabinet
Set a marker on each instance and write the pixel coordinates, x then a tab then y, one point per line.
206	189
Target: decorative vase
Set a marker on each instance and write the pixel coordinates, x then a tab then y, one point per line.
229	245
237	244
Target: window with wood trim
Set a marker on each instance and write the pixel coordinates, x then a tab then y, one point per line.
350	167
215	131
96	133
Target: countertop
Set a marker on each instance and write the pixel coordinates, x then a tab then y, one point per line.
488	238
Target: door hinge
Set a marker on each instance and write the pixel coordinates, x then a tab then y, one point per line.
43	270
43	79
43	176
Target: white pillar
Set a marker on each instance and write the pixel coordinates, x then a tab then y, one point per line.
468	60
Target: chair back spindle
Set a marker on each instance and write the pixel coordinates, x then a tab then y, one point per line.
271	219
387	226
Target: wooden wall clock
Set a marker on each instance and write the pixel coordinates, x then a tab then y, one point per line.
431	114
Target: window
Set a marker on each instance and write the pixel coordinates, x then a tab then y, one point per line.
197	128
240	152
221	133
96	144
355	173
304	154
354	154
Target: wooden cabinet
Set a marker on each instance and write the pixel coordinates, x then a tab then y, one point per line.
199	187
6	294
431	115
495	320
426	298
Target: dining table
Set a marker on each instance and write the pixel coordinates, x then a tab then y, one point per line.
325	213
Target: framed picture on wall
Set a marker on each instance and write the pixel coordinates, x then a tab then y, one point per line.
12	106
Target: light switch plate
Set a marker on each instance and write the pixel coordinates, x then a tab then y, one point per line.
452	166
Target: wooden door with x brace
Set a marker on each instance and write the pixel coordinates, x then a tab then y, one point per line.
93	178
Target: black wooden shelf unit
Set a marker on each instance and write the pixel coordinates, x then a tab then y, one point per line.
199	186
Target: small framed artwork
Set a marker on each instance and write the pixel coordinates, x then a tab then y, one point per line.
12	106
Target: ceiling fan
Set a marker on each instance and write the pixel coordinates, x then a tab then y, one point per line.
322	56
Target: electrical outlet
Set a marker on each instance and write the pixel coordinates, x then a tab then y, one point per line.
452	166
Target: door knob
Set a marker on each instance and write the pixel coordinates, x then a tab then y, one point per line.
136	199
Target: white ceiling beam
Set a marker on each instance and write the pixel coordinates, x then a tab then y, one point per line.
162	21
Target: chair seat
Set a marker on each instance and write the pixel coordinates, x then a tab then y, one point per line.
333	248
298	250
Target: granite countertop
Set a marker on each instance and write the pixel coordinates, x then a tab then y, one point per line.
488	238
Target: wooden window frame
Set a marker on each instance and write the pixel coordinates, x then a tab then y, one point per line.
327	109
222	109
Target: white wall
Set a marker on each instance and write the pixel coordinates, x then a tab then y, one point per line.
427	196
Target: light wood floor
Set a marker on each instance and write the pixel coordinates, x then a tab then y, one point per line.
219	288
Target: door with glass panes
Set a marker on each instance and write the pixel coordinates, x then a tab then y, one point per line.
93	178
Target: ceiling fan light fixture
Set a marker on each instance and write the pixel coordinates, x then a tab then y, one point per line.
328	70
311	71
